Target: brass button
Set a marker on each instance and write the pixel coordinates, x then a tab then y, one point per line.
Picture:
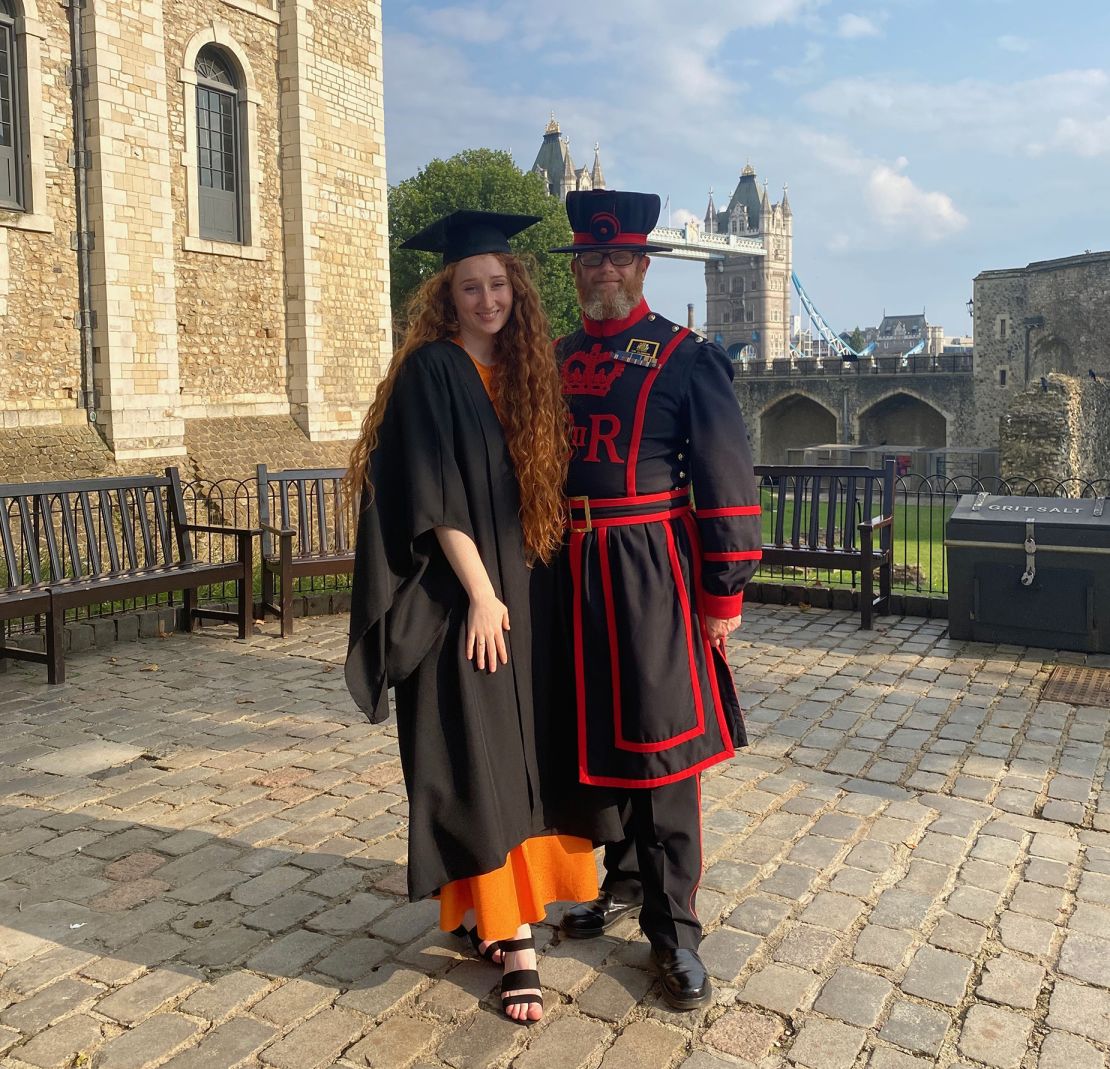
682	475
681	456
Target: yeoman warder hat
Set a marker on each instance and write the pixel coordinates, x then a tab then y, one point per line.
469	233
612	219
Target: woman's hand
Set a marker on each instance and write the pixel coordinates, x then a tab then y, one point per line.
487	620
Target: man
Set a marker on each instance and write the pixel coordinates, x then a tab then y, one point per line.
664	533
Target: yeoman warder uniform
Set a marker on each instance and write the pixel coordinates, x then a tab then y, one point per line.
664	532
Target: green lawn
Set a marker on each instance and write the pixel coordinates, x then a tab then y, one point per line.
918	540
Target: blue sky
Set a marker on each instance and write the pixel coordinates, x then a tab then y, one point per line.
922	141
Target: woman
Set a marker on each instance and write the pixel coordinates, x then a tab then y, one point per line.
460	465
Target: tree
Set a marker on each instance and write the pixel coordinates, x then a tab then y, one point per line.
856	339
489	180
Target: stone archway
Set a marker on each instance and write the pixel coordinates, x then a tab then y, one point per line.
794	422
902	419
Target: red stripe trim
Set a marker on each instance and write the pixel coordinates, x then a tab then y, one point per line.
603	328
702	602
732	510
723	608
747	554
625	521
638	499
684	606
575	549
611	628
641	409
585	238
701	858
658	781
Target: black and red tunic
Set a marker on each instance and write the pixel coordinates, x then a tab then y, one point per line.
656	430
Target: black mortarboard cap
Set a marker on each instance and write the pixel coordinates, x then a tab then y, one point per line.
612	219
469	233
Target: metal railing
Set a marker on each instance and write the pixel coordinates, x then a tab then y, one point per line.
922	505
223	501
833	367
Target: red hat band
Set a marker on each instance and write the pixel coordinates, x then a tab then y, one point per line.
618	239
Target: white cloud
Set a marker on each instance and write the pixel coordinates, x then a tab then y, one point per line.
890	199
852	26
680	217
1083	137
971	114
898	204
1009	43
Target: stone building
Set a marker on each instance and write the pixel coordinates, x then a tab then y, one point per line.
555	166
748	298
1042	365
193	239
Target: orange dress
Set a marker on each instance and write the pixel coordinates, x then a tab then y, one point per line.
543	869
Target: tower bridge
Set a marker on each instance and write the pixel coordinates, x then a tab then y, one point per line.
799	382
690	242
809	386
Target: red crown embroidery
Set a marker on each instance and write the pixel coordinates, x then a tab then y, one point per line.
591	373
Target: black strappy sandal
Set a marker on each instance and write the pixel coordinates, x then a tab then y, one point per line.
519	979
472	934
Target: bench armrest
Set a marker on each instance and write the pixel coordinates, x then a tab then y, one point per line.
215	528
281	532
877	522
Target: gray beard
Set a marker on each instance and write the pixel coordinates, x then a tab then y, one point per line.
614	306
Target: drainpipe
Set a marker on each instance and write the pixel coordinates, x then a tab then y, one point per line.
1031	323
82	239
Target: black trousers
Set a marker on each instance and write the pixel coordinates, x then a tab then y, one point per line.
659	861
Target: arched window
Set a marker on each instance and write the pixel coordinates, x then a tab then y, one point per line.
11	193
219	161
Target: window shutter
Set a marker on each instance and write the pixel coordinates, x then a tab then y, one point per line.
9	119
219	169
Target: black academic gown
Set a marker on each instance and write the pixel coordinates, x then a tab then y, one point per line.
478	783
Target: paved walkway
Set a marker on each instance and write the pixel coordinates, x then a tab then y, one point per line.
202	846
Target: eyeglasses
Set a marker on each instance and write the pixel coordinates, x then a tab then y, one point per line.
618	258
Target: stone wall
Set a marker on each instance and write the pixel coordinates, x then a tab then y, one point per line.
1053	315
230	302
227	448
231	448
292	321
44	454
1062	432
923	399
40	364
333	175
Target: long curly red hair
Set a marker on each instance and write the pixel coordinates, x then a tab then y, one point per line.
530	401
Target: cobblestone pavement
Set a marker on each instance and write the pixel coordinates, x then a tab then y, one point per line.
202	845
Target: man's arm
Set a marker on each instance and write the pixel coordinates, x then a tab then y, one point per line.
726	494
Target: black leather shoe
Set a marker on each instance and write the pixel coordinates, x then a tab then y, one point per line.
590	919
685	982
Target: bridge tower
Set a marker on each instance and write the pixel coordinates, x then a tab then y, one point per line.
748	298
555	166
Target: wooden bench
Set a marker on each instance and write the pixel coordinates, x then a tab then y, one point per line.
308	529
835	518
66	545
